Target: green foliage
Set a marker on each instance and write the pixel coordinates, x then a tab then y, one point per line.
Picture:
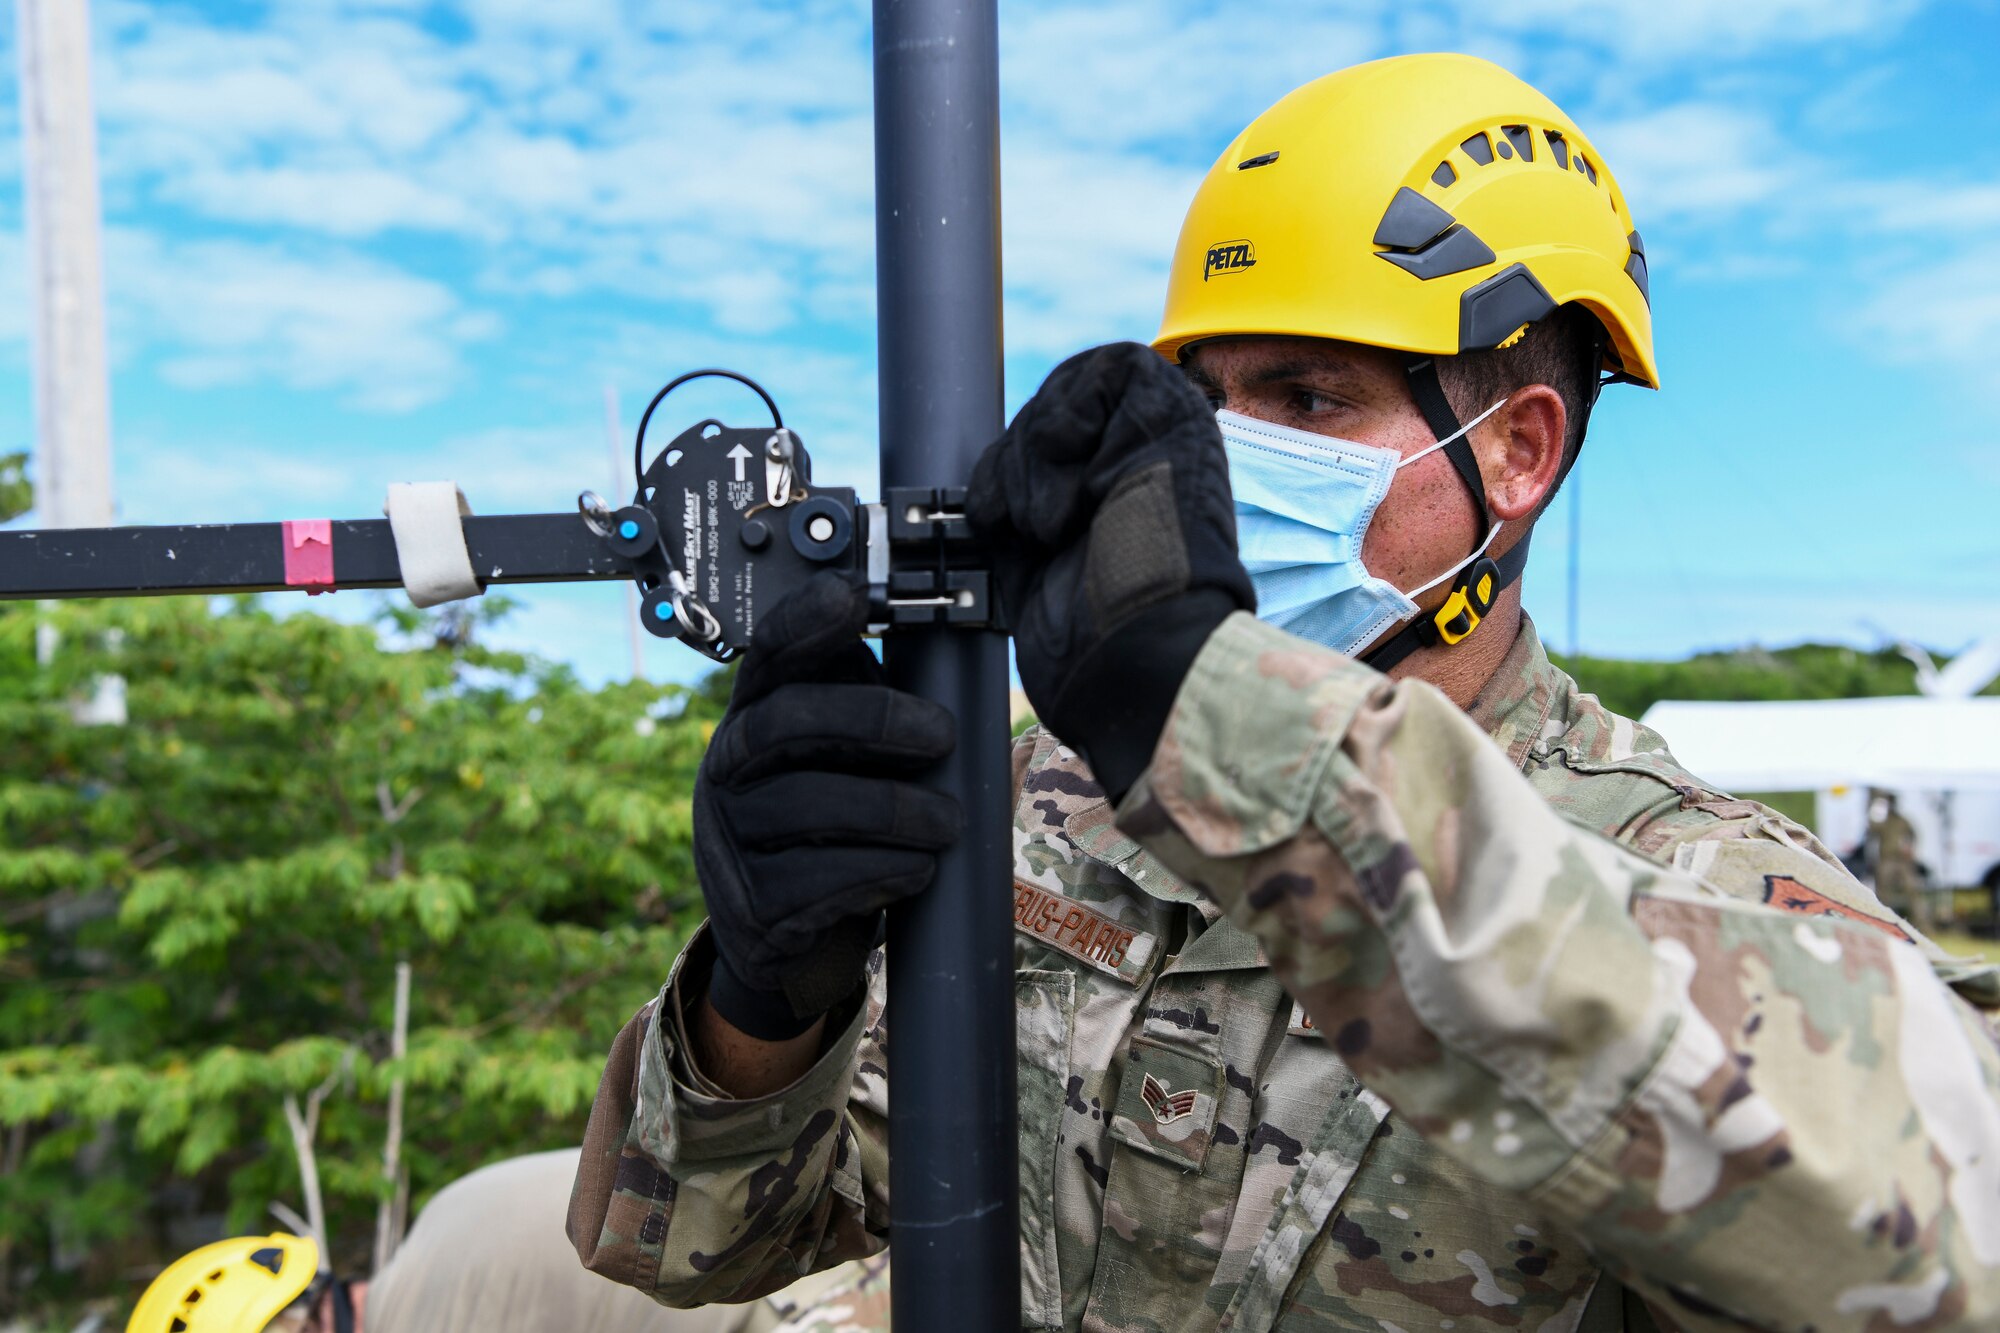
17	494
202	911
1808	671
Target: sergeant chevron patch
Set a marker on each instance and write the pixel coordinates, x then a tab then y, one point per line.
1166	1107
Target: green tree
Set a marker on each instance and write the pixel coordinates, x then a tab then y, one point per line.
1807	671
201	914
17	496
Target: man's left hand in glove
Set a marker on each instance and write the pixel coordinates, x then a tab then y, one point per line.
1106	513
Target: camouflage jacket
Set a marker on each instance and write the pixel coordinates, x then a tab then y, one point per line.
1450	1035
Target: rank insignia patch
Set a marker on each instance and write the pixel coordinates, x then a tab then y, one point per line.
1168	1102
1166	1107
1789	895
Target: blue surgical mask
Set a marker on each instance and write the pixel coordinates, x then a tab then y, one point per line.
1303	505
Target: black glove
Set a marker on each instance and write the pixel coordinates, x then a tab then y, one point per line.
802	832
1106	513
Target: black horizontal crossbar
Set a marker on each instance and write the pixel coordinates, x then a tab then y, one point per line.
251	557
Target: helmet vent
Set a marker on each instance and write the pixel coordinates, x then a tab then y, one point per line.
1635	267
1523	141
1480	149
1558	148
1504	148
1454	252
1424	240
1445	174
1411	221
1261	160
1583	165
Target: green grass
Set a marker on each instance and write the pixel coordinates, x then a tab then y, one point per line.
1954	940
1793	805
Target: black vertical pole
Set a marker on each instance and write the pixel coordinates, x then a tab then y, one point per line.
955	1235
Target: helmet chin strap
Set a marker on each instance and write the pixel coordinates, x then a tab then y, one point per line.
1482	579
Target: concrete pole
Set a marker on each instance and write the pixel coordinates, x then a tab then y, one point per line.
66	271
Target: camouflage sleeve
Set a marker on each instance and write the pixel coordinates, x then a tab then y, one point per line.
695	1197
1756	1117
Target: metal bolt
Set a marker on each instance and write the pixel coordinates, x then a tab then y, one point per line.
820	528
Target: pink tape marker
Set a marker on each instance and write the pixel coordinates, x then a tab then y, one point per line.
309	554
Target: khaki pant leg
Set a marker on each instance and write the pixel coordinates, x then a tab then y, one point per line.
853	1298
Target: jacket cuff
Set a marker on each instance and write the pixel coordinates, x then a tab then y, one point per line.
696	1119
1254	725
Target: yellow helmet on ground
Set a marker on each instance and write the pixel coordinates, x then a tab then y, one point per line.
1430	204
233	1286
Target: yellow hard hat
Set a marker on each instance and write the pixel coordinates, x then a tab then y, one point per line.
233	1286
1430	204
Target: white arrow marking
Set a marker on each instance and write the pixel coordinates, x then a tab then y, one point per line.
742	456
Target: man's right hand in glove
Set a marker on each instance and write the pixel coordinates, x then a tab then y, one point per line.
806	826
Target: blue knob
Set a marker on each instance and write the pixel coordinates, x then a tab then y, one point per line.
628	529
663	612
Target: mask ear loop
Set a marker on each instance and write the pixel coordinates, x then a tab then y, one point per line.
1479	580
1491	533
1493	525
1453	438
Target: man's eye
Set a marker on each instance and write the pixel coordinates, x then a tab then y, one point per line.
1313	403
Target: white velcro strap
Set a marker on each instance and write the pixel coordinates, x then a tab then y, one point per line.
430	541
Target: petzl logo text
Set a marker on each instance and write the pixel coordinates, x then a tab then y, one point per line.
1228	257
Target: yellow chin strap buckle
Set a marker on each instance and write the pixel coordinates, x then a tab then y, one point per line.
1469	602
1471	597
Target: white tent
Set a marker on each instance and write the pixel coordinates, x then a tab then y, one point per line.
1902	743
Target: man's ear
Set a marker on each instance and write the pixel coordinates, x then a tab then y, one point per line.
1520	450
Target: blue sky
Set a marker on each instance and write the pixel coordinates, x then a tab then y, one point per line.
353	242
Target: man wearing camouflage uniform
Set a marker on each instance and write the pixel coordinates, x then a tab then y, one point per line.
1897	882
1369	976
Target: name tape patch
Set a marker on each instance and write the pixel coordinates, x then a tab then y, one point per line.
1087	936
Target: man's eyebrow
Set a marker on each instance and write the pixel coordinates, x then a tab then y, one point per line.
1293	368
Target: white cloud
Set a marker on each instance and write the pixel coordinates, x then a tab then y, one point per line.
234	312
229	481
1648	33
339	201
171	86
1087	239
1697	158
1942	312
718	159
1178	78
1929	209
